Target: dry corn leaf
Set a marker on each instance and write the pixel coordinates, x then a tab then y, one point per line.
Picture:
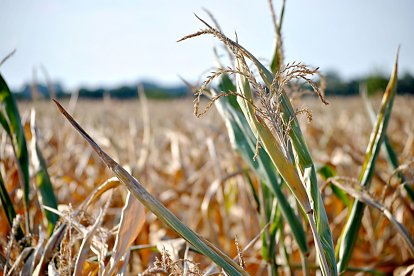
132	221
162	213
86	243
50	248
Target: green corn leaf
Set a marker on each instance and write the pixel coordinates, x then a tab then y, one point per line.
393	160
285	252
9	209
327	172
266	198
16	133
226	85
244	141
253	190
156	207
304	161
4	123
276	227
391	154
409	191
350	232
44	185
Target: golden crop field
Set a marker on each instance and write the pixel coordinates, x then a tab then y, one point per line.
189	165
258	173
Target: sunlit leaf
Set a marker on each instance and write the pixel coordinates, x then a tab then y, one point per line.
16	133
162	213
350	231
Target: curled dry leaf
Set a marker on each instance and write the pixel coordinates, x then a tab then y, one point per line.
84	248
132	220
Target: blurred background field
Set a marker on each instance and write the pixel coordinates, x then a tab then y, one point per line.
189	165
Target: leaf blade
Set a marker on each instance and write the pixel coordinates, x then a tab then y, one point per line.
243	140
42	179
156	207
351	229
9	209
16	133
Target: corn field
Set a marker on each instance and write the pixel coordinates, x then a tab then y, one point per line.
258	174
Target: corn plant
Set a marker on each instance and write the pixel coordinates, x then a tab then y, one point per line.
387	146
351	229
165	215
277	130
11	123
274	126
243	140
277	170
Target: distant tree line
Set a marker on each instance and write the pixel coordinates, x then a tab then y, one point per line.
374	83
152	90
335	86
127	92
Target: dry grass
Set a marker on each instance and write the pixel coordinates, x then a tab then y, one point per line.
192	169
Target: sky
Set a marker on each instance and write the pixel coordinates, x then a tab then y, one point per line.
109	43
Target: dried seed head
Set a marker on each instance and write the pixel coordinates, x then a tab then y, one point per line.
266	102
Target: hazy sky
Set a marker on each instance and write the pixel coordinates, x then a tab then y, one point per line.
102	42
